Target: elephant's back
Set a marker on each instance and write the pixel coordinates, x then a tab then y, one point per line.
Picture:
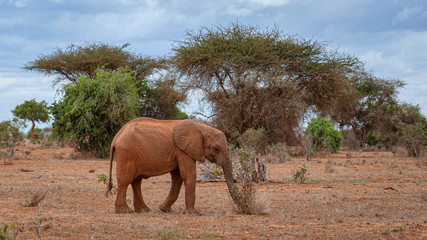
145	130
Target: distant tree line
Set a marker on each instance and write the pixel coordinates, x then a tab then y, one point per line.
251	77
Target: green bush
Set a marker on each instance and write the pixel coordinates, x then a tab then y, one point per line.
94	109
374	139
38	133
414	136
299	176
10	134
325	137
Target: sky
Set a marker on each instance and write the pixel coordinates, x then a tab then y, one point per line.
389	36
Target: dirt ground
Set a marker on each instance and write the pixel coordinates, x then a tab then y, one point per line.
368	195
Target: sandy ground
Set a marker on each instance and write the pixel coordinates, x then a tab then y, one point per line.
370	195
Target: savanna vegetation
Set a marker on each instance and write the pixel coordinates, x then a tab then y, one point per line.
251	78
275	96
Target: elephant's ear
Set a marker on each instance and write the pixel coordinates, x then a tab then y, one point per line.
189	139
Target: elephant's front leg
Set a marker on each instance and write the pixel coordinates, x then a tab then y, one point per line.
138	202
174	191
187	169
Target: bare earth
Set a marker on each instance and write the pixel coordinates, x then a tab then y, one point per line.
371	195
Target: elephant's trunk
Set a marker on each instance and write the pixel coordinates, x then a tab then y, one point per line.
228	173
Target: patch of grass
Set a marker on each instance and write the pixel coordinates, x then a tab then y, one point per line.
400	229
424	180
329	181
169	234
203	236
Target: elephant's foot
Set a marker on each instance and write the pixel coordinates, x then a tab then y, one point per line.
123	209
165	208
142	209
191	211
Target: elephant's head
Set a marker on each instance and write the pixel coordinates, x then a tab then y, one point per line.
201	141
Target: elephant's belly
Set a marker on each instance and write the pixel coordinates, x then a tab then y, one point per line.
155	168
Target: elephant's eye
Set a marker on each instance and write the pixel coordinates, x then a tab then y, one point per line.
217	149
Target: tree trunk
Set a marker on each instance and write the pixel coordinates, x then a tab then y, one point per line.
32	130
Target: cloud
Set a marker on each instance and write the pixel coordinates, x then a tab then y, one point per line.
236	11
408	14
271	3
15	3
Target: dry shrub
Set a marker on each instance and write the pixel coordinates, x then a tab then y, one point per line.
244	193
348	164
269	158
276	153
81	155
329	168
421	162
247	200
8	161
36	198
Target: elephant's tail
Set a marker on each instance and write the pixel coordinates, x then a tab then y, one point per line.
110	184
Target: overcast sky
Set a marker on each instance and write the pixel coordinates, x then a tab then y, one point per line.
390	36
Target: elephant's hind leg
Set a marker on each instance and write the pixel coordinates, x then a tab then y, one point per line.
138	202
173	193
121	205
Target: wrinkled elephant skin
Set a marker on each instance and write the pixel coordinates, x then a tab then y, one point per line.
146	147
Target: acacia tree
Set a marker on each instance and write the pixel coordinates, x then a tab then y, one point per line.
32	111
261	78
159	98
412	129
94	109
71	63
371	108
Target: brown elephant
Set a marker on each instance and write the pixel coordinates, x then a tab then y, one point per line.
146	147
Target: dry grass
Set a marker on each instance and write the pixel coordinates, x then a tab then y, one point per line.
269	158
421	162
36	198
248	202
8	161
329	169
362	202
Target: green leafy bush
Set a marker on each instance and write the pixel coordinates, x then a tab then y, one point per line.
94	109
374	139
325	137
10	133
38	133
414	136
299	176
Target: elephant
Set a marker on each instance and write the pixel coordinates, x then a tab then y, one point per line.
146	147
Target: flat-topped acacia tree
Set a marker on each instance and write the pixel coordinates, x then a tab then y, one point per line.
32	111
257	77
